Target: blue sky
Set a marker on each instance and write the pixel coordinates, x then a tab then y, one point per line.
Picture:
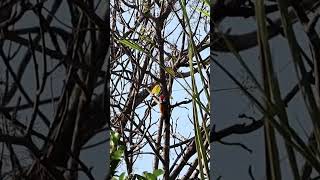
180	115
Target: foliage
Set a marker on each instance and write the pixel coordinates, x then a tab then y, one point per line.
116	156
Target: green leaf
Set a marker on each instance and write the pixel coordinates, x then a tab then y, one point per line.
170	71
115	137
131	44
121	147
150	176
114	140
158	172
122	176
206	2
141	177
117	154
202	11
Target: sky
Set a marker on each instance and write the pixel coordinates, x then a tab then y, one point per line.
228	104
94	157
184	127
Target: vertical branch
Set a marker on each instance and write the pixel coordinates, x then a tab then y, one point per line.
158	143
165	117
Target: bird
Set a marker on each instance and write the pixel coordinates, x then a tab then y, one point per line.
162	104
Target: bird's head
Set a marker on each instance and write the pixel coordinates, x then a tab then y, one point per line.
162	98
